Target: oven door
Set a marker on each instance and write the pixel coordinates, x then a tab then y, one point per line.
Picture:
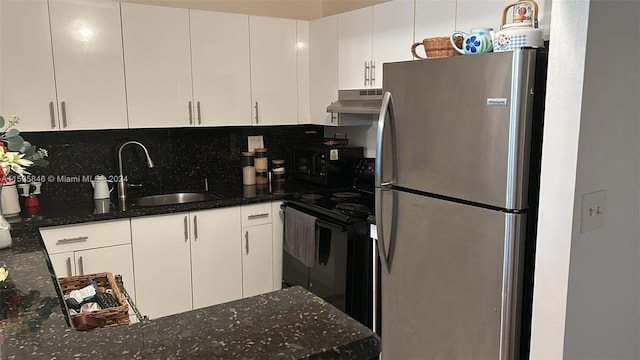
328	277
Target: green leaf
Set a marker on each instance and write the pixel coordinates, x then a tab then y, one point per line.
12	133
1	121
15	143
29	151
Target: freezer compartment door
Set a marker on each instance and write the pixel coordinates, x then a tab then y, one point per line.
462	126
449	292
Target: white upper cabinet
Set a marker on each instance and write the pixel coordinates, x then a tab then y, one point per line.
369	37
392	35
27	84
220	68
323	68
273	71
434	19
475	14
157	59
354	48
87	51
302	46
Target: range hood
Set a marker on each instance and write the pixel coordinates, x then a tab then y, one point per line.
363	101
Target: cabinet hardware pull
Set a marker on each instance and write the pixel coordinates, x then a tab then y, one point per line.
81	266
257	216
72	240
199	114
52	115
373	73
63	106
256	112
186	231
256	107
366	73
333	117
190	113
195	227
246	238
68	266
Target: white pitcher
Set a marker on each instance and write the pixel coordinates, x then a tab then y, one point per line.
101	187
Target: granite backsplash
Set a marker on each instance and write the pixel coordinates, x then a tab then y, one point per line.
183	157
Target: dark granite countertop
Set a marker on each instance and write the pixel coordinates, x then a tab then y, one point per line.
84	210
290	323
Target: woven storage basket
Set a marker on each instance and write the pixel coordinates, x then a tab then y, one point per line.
110	317
437	47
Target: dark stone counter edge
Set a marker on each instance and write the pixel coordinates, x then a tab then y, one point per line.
69	214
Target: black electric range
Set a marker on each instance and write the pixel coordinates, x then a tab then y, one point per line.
343	272
346	205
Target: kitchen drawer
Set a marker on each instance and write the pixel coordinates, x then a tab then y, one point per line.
256	214
78	237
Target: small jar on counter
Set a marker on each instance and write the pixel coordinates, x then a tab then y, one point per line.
278	175
261	159
261	177
248	168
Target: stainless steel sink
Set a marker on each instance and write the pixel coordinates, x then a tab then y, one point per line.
172	199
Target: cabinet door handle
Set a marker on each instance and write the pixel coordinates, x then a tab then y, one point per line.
333	117
373	73
199	114
63	108
72	240
68	266
366	73
186	230
190	113
246	238
195	227
257	216
256	112
80	266
52	115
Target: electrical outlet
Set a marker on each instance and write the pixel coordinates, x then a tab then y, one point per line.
255	142
593	205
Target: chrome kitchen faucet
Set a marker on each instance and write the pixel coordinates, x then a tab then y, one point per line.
122	186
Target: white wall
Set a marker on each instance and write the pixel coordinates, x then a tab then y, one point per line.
586	295
364	136
603	313
557	179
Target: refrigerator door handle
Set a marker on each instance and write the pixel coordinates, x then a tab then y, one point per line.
386	113
387	116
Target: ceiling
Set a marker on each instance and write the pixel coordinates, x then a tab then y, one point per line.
292	9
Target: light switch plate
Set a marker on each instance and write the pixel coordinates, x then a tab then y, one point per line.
593	210
255	142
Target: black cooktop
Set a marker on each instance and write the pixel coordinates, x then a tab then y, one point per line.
347	206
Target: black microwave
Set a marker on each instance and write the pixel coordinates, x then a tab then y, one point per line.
327	165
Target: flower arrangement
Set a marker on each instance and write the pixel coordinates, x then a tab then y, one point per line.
16	154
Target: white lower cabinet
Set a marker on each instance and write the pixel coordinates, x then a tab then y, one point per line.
182	261
257	263
216	262
193	256
278	243
161	253
92	248
257	249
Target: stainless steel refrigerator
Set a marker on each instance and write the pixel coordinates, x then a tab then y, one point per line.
452	203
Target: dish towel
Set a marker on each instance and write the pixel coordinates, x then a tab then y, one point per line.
300	236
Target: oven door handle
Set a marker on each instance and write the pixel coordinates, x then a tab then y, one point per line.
322	223
330	226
